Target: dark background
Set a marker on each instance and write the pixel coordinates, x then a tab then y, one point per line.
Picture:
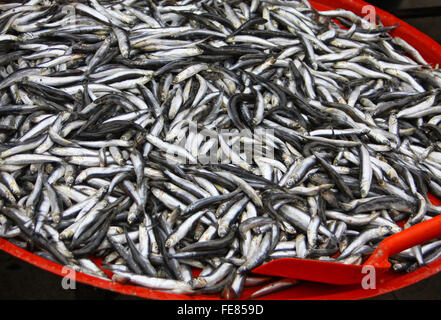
22	281
427	19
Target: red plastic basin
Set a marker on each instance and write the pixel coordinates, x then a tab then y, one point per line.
390	281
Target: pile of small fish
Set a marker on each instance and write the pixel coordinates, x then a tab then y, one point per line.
129	131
